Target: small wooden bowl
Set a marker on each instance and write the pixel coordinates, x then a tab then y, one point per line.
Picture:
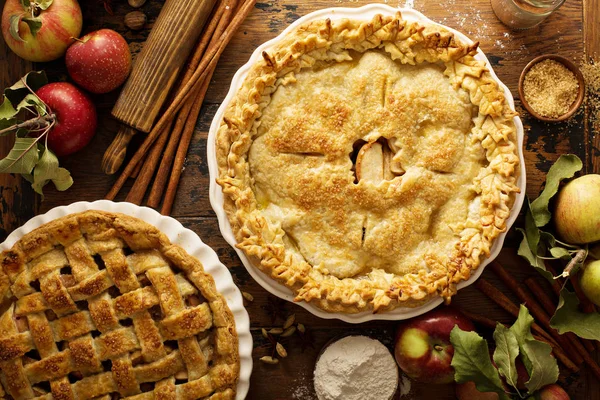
573	68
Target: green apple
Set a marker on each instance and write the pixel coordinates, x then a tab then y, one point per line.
590	281
577	211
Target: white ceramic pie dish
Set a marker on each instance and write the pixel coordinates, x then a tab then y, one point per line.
185	238
216	195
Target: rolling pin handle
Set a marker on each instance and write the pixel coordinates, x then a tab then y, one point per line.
115	154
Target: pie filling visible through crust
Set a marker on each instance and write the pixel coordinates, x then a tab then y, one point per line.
368	165
102	305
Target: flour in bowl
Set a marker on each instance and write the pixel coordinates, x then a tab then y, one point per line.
356	368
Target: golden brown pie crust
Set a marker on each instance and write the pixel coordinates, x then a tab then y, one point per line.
265	238
102	305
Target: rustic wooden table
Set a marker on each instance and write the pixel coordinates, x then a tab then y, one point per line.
573	32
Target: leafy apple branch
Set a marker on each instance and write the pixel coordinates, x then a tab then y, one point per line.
540	245
29	157
471	360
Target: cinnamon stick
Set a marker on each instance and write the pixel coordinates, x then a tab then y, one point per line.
480	319
188	132
182	149
586	356
221	17
183	95
540	294
138	168
138	190
536	310
507	304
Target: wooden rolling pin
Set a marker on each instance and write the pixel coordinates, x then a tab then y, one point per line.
156	68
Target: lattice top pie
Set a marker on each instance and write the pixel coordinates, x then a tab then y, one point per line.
102	305
368	165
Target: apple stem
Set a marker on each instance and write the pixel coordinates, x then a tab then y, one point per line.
36	123
579	258
438	347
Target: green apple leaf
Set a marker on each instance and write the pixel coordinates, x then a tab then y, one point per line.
505	354
35	24
17	92
471	362
524	250
44	4
47	170
62	180
15	21
31	100
568	318
536	355
28	177
522	326
7	116
26	3
560	252
522	331
7	111
530	245
532	232
544	368
565	167
22	158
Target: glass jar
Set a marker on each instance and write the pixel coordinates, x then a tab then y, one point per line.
523	14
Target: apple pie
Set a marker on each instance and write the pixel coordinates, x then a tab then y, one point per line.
102	305
368	165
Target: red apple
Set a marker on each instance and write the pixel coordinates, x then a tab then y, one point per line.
468	391
423	349
75	113
60	23
553	392
100	61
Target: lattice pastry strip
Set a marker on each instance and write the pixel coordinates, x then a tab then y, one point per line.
98	302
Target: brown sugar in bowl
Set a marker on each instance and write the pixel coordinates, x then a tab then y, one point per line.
570	66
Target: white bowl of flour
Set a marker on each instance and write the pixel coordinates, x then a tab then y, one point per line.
356	368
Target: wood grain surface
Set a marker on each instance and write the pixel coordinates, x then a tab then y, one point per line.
568	32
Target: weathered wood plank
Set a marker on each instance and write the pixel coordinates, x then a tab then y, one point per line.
591	35
591	42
